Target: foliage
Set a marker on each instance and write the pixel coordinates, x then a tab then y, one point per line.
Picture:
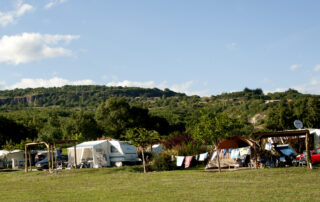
13	132
176	139
141	137
163	162
210	127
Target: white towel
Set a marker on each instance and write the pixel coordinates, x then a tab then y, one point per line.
179	160
203	156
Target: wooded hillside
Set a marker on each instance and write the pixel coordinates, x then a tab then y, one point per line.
88	112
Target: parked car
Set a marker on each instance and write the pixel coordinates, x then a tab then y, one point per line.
61	160
40	156
315	156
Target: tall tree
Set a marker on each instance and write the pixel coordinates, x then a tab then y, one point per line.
141	137
114	117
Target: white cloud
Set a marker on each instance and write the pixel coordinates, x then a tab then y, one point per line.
147	84
54	3
12	16
2	85
28	47
295	66
54	82
231	46
314	82
317	67
182	88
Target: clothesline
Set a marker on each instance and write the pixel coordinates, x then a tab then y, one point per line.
234	153
188	159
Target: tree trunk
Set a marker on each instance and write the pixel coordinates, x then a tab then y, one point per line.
218	155
143	161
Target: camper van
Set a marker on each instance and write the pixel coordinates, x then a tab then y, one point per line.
102	153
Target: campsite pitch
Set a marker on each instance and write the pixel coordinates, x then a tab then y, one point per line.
126	184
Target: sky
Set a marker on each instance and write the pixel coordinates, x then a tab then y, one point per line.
203	48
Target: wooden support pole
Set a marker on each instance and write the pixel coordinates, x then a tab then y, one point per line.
25	159
308	157
49	157
55	156
255	156
52	154
30	160
218	153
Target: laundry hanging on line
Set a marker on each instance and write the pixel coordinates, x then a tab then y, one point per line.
187	161
203	156
179	160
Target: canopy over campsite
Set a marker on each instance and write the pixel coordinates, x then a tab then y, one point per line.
235	152
95	153
293	141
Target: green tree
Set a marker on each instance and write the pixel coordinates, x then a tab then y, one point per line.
141	137
114	117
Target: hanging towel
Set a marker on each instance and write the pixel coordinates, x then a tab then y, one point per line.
268	147
203	156
187	161
235	153
245	151
213	155
230	150
172	157
179	160
196	157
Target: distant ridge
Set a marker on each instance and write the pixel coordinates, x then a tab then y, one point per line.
72	96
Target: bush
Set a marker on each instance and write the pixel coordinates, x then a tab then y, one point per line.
163	162
190	149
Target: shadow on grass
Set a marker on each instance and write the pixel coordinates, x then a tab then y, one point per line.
9	170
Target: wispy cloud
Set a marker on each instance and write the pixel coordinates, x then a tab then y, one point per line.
53	82
54	3
126	83
185	87
11	17
231	46
316	67
295	66
28	47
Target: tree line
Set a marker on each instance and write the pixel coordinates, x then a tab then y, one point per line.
205	119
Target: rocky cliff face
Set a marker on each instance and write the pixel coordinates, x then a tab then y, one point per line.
24	100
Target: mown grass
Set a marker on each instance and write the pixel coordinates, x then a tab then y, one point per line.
126	184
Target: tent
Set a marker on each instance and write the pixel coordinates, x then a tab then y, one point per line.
3	158
15	159
94	153
234	152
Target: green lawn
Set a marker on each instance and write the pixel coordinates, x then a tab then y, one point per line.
125	184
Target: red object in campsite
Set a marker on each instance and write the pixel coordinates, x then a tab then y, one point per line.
315	156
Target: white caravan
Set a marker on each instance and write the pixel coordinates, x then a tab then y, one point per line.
102	153
122	152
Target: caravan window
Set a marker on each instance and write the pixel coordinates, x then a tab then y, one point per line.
114	149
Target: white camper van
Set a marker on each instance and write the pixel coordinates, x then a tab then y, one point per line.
102	153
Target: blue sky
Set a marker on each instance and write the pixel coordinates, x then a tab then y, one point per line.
197	47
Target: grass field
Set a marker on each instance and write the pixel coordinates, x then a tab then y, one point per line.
126	184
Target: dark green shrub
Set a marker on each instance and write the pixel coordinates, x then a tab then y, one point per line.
163	162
